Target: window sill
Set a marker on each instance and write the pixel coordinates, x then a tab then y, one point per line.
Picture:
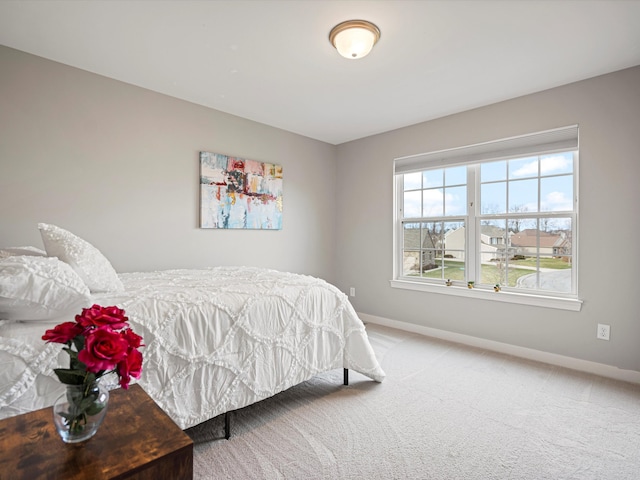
560	303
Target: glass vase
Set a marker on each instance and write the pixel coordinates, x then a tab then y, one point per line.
79	411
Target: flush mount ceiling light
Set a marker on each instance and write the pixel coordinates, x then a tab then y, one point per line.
355	38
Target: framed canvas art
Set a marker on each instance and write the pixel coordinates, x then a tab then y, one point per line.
239	193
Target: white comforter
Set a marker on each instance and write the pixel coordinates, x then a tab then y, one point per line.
216	340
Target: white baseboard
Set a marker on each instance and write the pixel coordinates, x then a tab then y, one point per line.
522	352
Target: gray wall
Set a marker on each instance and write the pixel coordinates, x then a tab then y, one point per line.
118	165
607	109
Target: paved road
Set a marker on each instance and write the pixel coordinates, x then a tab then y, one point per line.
555	280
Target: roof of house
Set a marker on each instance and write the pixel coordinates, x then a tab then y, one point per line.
492	231
529	238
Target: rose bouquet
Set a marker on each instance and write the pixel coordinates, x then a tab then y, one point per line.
99	342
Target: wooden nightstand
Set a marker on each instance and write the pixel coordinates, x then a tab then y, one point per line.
137	440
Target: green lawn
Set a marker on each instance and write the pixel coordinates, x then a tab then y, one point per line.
544	263
454	270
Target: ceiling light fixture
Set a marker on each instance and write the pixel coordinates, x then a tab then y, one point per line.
354	38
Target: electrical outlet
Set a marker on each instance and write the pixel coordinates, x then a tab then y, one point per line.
352	292
603	331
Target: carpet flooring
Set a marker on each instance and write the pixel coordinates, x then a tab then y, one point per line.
445	411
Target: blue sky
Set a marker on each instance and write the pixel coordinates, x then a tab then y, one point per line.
506	186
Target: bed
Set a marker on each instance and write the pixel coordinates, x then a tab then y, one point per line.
216	339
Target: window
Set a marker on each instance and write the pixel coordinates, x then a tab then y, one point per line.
502	215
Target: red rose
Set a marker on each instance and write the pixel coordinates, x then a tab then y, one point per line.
63	333
132	338
131	366
103	350
97	316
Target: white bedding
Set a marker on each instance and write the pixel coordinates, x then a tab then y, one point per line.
216	340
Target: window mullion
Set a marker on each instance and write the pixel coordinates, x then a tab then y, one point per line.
398	241
473	238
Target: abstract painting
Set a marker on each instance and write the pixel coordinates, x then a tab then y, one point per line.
239	193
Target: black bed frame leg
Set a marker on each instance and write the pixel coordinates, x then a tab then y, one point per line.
227	415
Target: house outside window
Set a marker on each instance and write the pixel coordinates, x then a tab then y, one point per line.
501	213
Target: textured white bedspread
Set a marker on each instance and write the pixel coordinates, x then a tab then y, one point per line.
216	340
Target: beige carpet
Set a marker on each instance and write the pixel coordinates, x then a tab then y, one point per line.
444	411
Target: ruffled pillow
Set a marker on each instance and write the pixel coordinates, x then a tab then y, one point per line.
40	288
87	261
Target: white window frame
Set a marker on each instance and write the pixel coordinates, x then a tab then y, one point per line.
549	141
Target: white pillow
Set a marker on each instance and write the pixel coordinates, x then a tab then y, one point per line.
40	288
92	266
13	251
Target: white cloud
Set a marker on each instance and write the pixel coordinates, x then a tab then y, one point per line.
526	170
556	163
412	205
556	201
548	165
432	202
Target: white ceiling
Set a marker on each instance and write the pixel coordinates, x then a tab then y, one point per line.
271	61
